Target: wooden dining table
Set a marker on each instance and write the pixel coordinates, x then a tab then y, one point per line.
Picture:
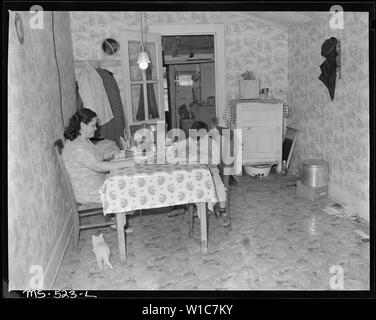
148	186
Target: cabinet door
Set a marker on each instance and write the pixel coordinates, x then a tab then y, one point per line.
262	132
261	144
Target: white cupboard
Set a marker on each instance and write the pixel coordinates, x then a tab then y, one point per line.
262	125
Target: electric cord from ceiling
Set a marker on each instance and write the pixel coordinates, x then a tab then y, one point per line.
58	69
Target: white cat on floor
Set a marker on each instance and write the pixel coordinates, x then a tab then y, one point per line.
102	251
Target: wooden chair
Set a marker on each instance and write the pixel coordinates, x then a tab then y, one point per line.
80	210
227	181
226	178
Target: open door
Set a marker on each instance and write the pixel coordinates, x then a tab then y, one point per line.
143	88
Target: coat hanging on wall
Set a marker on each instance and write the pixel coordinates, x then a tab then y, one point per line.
329	66
80	104
113	129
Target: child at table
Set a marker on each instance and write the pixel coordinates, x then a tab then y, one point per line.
206	151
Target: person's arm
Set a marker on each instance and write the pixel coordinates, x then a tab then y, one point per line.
107	149
109	155
89	160
105	166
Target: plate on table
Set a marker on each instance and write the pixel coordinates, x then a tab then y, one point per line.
123	154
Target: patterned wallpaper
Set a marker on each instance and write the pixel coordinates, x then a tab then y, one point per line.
249	44
333	130
37	199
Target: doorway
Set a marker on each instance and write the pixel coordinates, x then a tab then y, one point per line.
212	63
190	78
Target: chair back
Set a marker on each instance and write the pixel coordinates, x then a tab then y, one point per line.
227	145
59	145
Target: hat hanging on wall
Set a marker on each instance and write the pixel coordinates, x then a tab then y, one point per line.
329	66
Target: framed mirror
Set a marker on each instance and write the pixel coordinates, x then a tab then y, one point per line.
110	46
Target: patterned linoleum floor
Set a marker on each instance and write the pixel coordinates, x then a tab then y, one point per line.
277	241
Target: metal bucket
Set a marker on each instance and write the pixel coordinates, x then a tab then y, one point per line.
315	173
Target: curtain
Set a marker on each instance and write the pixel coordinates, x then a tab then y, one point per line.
152	103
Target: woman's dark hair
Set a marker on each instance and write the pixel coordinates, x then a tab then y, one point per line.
83	115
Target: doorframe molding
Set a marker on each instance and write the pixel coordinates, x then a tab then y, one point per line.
172	96
218	31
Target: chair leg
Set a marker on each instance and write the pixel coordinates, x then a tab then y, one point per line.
228	192
182	215
225	214
76	235
76	230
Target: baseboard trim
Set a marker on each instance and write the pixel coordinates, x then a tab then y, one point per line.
58	253
347	198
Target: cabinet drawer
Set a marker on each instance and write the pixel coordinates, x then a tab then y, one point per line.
257	112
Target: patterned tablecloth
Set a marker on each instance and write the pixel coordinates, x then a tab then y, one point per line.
230	112
156	185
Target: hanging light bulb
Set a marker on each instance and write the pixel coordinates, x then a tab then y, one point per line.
143	57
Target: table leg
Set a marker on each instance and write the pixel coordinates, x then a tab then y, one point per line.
201	210
121	218
190	210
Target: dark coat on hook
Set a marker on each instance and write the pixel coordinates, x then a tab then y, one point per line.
329	66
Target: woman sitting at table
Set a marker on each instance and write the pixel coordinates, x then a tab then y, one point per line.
85	162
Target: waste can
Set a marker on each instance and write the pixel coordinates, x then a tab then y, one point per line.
315	173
